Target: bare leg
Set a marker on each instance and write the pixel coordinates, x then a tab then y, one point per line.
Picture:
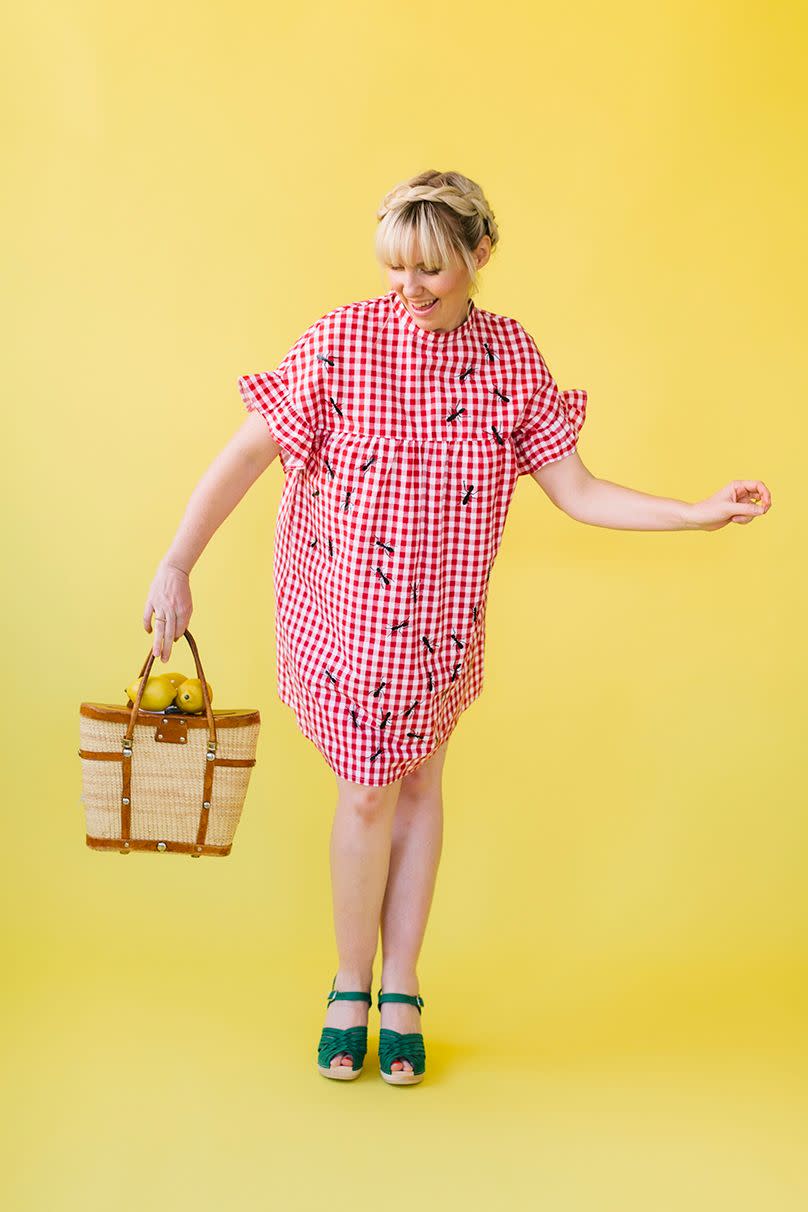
360	859
415	853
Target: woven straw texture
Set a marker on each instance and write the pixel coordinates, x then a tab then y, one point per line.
167	780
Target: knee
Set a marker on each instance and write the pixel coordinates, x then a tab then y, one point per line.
369	804
424	783
418	786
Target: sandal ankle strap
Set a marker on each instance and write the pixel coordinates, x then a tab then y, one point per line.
348	995
412	999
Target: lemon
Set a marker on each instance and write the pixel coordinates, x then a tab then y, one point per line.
176	678
158	694
189	695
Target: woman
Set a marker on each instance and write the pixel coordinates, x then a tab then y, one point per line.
402	423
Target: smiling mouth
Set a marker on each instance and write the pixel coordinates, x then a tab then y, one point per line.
422	308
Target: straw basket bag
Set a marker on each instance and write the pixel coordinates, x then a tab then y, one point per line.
165	780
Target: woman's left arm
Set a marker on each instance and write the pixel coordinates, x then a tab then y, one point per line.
572	488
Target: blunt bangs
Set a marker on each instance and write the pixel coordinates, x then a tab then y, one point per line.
415	236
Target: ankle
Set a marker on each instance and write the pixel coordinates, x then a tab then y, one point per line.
399	980
352	978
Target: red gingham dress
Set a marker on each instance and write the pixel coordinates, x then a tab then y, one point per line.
401	449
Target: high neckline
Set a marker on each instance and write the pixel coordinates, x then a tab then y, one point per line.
427	334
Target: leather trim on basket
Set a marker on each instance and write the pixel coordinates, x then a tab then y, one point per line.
105	755
116	714
125	845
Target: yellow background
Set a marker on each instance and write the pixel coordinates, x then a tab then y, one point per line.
614	967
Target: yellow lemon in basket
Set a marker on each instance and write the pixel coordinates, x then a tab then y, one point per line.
189	696
176	678
158	694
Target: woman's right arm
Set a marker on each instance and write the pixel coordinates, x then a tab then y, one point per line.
248	453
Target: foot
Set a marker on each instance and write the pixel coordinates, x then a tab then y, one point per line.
401	1016
350	1013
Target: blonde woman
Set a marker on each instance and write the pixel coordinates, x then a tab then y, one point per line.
402	423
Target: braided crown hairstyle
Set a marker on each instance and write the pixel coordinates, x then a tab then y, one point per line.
436	219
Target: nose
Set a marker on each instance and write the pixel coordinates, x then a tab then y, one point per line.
411	286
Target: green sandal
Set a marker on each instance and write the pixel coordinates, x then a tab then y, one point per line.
400	1045
333	1040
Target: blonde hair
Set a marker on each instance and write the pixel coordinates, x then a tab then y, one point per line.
438	217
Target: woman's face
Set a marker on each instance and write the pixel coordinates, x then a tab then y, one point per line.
445	292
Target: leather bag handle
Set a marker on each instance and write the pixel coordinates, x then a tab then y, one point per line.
144	677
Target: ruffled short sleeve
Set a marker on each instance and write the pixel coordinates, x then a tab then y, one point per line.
552	420
287	399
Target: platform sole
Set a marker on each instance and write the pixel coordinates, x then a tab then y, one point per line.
342	1073
402	1078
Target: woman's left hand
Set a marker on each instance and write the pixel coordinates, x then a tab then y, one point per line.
740	501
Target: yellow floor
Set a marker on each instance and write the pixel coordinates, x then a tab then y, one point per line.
168	1083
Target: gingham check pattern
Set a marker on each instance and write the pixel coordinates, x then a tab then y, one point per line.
401	448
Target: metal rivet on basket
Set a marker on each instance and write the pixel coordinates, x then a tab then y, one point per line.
125	800
206	804
161	845
211	756
126	844
165	721
199	847
159	736
183	739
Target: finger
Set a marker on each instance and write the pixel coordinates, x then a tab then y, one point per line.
757	488
168	635
147	615
763	493
159	625
750	509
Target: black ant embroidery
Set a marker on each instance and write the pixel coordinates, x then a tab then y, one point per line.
379	689
414	588
330	548
474	613
315	492
497	435
383	575
410	709
429	647
330	677
454	415
468	493
348	492
378	752
335	406
353	715
489	355
501	395
459	643
313	543
454	671
325	358
429	682
465	373
369	463
398	626
386	546
384	719
419	736
329	468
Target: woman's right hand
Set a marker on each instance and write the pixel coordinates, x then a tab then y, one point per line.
170	601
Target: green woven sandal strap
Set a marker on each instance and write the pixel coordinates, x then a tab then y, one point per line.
399	1045
347	995
413	999
333	1040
